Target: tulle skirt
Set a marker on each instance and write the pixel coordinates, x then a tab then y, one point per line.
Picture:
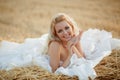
96	44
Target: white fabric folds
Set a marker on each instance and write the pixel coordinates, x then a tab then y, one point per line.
96	44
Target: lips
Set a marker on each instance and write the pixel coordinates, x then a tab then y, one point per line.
67	37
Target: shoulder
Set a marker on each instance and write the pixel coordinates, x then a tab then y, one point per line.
54	47
54	44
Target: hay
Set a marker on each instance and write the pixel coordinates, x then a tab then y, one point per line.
32	73
107	69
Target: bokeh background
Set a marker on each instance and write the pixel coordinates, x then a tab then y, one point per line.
20	19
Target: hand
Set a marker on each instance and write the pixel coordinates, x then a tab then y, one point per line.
79	35
75	40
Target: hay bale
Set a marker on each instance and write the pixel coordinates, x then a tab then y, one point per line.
32	73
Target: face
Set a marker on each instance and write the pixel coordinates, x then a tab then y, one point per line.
64	31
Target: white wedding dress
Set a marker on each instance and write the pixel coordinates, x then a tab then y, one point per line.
96	44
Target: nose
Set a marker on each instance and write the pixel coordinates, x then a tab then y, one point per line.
64	32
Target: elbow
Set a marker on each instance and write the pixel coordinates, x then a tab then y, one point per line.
54	68
65	65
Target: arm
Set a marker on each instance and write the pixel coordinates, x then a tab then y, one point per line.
70	45
77	46
79	49
67	61
54	53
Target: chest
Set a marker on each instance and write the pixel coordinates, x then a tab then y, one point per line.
64	54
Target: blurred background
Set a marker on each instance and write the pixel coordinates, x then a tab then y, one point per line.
20	19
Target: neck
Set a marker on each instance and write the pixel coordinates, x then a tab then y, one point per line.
64	44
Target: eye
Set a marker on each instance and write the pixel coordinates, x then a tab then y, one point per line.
67	27
59	31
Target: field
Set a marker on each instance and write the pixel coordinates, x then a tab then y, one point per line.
20	19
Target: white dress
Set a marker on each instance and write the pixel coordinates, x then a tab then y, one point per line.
96	45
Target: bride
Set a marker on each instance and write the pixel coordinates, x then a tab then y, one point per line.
65	49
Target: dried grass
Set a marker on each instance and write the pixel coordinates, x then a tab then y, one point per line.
32	73
20	19
107	69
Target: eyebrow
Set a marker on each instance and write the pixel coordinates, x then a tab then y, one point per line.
59	30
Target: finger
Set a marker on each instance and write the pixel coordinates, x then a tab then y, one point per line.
71	43
80	32
72	39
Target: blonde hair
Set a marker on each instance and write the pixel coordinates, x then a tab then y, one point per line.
58	18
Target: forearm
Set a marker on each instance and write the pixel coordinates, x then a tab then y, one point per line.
78	46
66	62
79	55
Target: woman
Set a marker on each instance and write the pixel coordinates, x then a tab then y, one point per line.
64	41
69	51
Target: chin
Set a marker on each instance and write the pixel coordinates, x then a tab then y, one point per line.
67	39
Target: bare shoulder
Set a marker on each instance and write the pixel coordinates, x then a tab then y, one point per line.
54	47
54	44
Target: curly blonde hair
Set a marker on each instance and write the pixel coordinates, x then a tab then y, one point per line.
52	33
58	18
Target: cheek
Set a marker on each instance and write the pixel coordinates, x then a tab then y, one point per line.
59	35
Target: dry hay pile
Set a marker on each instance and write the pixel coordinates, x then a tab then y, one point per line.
108	69
20	19
32	73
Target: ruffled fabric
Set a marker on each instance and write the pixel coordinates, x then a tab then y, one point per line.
96	44
80	67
